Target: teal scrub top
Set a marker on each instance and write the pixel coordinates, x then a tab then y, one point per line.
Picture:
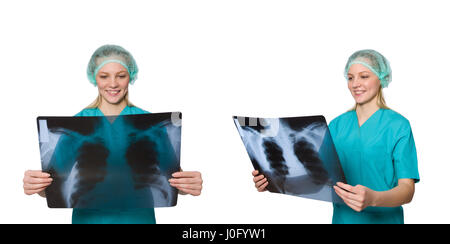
375	155
113	216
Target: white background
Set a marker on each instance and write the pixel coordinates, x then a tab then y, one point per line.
215	59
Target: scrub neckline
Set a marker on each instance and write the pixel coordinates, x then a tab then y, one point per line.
357	121
121	112
112	118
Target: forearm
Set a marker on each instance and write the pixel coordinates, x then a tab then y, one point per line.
397	196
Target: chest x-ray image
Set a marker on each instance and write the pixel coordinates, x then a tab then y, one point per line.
111	161
295	154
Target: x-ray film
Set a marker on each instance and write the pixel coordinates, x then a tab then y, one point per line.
112	162
296	155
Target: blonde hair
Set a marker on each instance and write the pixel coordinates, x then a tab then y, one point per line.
98	100
380	100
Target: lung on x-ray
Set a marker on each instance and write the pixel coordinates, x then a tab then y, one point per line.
295	154
111	161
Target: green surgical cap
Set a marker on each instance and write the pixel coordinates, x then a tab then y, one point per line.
111	54
374	61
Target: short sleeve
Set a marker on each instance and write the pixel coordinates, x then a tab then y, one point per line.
405	156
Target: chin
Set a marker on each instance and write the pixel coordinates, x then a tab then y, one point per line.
114	101
362	101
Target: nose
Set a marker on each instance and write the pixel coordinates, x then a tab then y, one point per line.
113	82
356	83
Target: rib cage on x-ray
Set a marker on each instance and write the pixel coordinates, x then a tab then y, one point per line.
110	162
296	155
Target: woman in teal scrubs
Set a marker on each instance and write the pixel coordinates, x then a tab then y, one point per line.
375	146
112	69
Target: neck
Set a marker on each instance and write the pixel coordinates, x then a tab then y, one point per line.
364	111
109	109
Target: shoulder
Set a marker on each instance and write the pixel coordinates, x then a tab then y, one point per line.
396	122
395	115
340	123
395	119
343	118
87	112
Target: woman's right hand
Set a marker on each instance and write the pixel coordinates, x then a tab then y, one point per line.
35	181
260	181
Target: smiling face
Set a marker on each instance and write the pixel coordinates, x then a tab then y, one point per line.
112	81
363	84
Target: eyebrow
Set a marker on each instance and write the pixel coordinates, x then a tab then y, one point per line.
359	73
364	72
107	73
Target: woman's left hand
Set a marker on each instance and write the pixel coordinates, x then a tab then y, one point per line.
187	182
356	197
